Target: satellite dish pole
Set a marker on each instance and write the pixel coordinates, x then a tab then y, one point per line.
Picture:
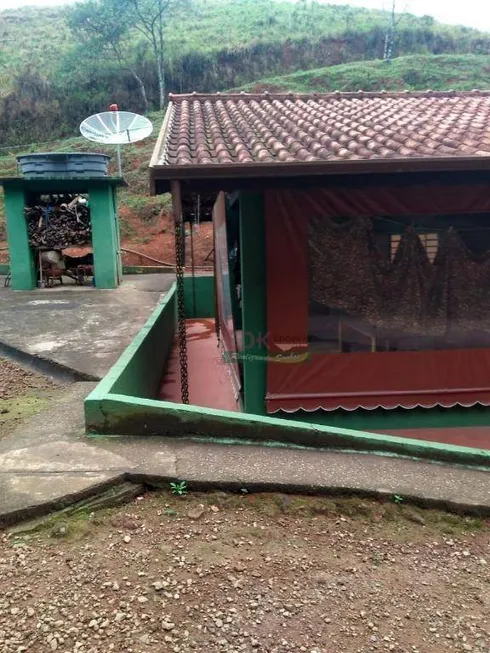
115	109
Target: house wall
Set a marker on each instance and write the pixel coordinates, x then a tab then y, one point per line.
124	404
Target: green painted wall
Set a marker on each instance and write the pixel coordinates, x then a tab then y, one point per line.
21	259
141	367
254	317
204	293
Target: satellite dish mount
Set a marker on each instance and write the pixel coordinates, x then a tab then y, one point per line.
116	127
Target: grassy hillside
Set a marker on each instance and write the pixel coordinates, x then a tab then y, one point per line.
37	36
33	36
49	80
416	73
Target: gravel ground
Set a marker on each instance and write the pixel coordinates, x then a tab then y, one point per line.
221	573
16	381
22	394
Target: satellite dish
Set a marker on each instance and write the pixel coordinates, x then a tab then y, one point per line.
116	128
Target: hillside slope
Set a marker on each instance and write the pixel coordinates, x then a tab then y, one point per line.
415	73
38	36
50	80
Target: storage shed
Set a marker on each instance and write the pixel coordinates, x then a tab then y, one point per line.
43	219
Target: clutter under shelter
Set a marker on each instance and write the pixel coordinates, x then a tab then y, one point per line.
63	225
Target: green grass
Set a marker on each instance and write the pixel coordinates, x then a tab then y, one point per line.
415	73
37	36
50	80
32	37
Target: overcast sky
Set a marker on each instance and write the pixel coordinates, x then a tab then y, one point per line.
475	13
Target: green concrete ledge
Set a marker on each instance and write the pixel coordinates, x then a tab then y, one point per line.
147	269
112	414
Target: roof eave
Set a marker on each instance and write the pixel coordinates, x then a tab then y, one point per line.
162	137
237	171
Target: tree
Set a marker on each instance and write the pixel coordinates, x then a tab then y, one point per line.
346	13
150	19
105	26
390	33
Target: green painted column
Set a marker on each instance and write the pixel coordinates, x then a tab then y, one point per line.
254	296
105	238
118	236
21	259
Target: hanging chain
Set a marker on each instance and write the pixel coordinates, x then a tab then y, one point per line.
179	266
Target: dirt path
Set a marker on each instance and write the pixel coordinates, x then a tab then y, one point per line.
223	573
22	394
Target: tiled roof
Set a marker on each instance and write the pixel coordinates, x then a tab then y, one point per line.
227	129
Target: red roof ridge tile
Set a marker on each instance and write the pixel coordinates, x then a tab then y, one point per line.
242	95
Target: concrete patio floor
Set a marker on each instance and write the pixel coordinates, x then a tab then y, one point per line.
80	328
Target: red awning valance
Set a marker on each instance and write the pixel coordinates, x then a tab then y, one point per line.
362	379
381	380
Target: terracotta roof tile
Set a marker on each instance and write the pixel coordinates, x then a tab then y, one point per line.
226	129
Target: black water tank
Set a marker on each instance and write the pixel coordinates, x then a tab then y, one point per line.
63	165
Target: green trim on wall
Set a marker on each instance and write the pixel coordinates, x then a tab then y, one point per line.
204	294
254	316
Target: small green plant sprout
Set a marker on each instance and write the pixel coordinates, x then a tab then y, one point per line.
179	489
397	499
376	559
